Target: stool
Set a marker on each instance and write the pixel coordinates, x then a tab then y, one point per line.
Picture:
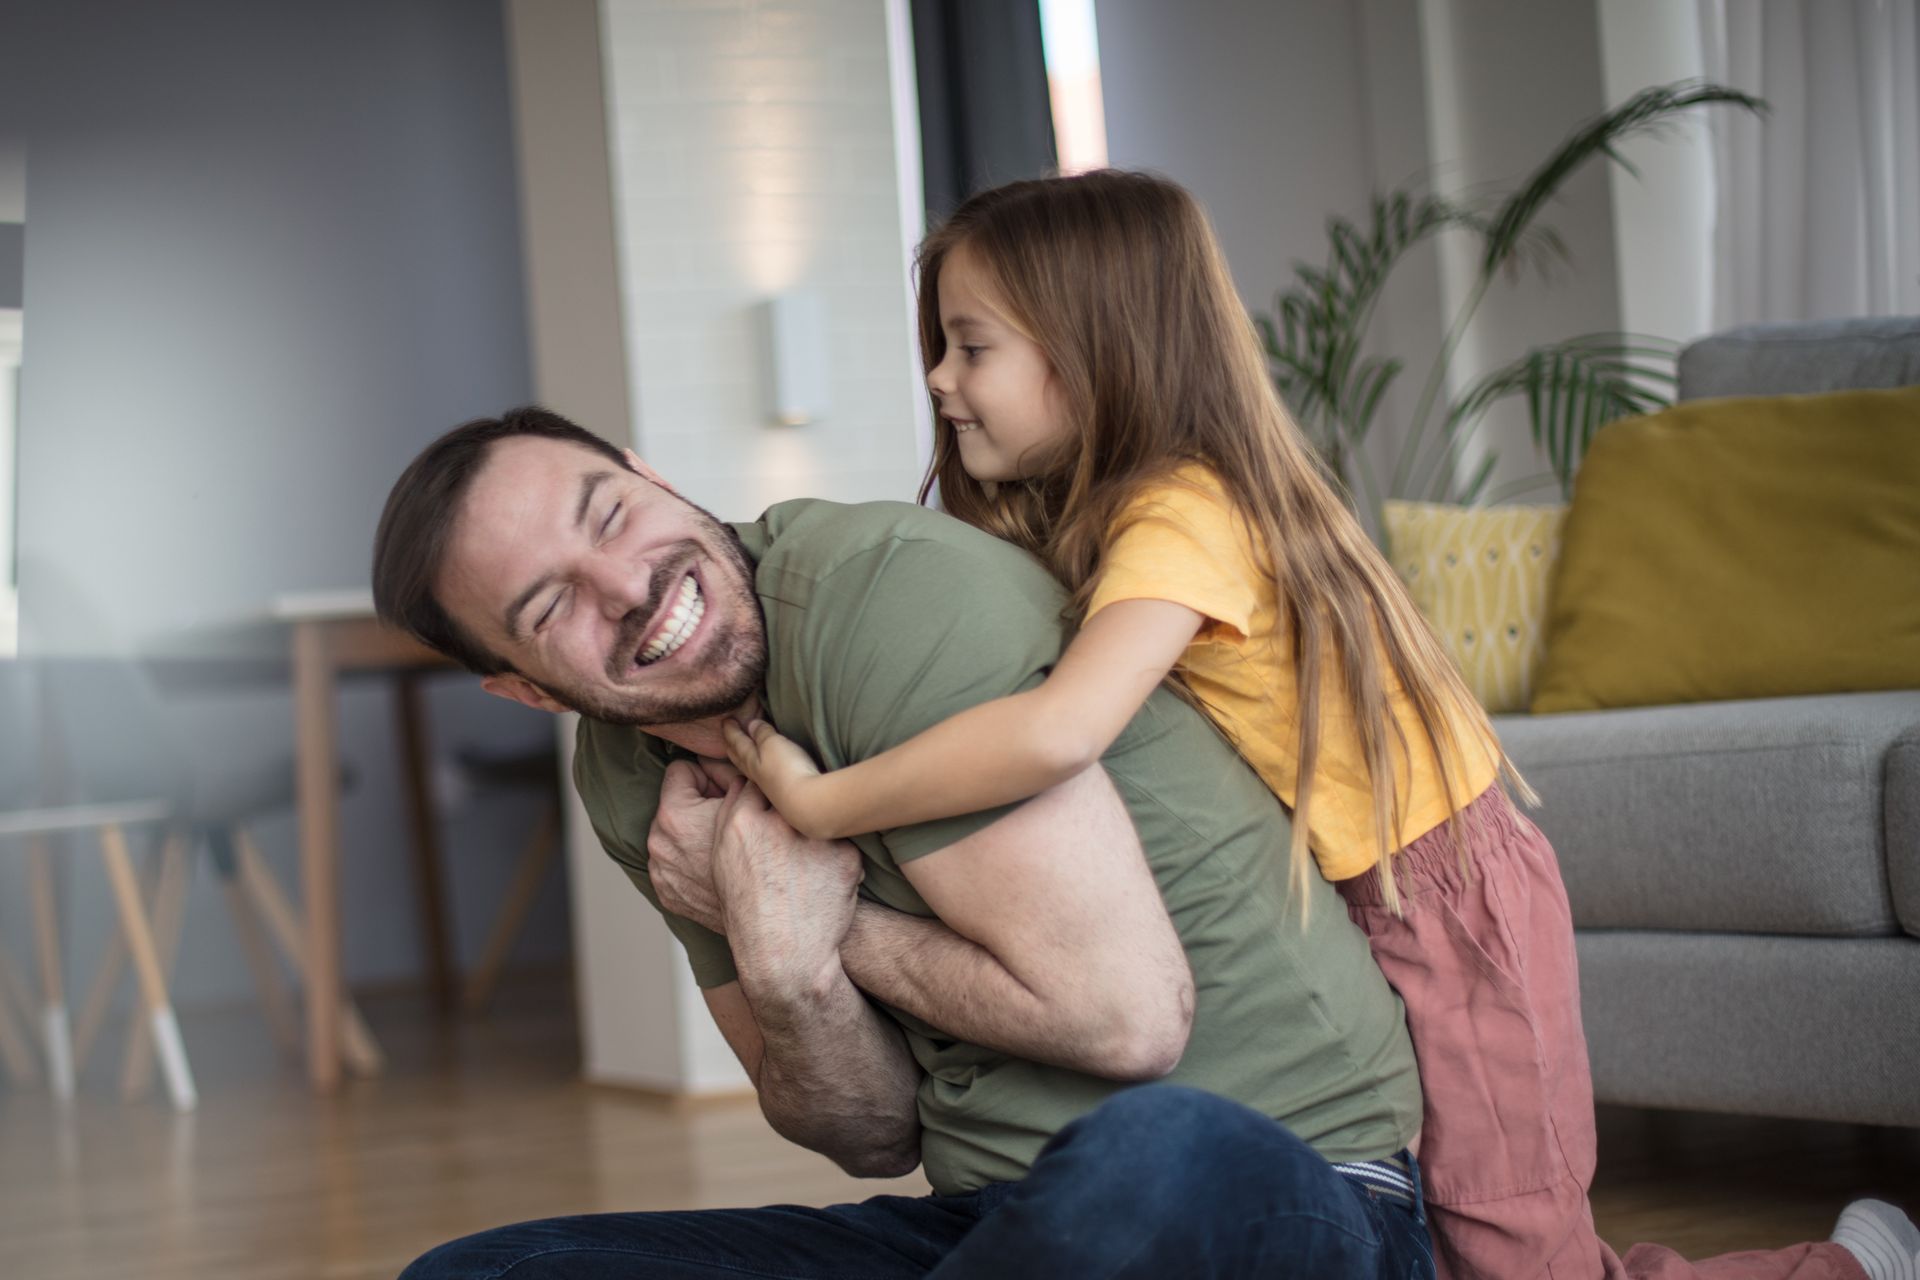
529	769
254	898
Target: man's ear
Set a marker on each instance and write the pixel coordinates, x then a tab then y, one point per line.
633	460
517	688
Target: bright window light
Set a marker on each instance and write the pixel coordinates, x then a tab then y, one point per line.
1073	84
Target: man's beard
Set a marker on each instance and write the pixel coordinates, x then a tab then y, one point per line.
732	671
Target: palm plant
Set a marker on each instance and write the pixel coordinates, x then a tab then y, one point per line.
1316	339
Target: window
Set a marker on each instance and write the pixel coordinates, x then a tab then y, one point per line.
1073	84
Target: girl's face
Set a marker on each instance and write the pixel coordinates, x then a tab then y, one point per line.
994	384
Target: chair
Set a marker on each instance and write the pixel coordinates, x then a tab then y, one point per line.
62	774
98	733
214	819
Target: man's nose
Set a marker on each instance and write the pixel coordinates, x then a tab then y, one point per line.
621	585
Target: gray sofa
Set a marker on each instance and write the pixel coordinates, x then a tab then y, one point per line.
1745	876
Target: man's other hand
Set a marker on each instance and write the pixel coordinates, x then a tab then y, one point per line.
788	900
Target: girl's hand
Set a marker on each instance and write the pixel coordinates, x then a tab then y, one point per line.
782	770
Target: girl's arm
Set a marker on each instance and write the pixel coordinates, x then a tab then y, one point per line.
996	753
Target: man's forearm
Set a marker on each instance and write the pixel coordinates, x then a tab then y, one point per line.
922	966
834	1074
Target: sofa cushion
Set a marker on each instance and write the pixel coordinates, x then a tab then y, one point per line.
1764	816
1750	548
1803	359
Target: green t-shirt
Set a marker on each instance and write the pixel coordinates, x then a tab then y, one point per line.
885	618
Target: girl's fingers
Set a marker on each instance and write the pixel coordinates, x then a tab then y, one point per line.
741	749
761	731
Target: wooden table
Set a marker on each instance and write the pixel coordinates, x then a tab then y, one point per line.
334	633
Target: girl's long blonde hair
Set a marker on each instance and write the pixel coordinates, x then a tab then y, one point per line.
1119	279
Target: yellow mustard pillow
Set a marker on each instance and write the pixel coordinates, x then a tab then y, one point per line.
1741	548
1480	576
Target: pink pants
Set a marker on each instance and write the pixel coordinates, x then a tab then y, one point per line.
1487	971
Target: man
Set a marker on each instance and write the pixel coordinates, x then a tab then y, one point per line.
971	995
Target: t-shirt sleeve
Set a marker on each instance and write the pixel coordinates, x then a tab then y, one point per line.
913	631
1186	544
618	772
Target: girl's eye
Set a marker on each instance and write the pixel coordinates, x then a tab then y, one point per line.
973	353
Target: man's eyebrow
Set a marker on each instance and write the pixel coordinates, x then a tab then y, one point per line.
588	484
520	602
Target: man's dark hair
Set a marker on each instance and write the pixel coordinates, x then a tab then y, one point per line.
411	542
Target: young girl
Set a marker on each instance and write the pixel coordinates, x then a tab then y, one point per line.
1103	403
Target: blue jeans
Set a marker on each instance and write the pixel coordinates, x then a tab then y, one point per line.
1159	1181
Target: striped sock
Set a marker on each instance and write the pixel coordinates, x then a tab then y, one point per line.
1884	1240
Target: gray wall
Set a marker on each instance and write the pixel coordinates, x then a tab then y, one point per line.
1260	109
1279	116
274	251
1508	83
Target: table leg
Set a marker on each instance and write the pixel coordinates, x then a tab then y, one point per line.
168	917
318	786
15	1049
53	990
146	967
429	889
106	977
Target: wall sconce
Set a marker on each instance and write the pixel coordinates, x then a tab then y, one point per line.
799	376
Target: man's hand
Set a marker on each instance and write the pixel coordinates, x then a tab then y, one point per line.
785	774
680	844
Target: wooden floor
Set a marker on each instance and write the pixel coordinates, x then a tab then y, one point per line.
478	1124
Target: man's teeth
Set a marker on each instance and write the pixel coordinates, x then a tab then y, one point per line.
688	607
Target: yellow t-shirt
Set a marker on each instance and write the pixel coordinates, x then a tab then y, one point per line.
1184	541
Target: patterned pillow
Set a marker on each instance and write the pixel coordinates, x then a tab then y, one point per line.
1480	576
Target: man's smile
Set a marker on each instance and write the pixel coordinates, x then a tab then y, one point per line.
681	618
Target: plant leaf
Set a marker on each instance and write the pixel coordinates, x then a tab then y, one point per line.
1573	388
1646	111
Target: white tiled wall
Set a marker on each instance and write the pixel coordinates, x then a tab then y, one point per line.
753	147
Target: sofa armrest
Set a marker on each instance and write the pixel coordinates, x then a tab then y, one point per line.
1903	829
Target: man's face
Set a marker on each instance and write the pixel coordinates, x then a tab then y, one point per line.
609	594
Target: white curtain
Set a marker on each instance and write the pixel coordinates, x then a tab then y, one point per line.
1817	204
